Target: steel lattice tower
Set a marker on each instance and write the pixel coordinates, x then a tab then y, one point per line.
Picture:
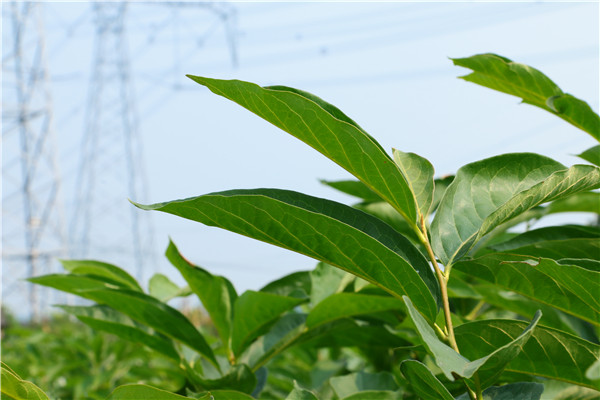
105	225
33	233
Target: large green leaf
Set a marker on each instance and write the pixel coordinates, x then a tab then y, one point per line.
216	292
342	305
354	188
487	193
326	129
161	287
549	353
156	314
511	391
535	88
296	284
423	382
79	285
488	367
144	392
418	172
592	155
15	388
253	312
569	288
325	230
545	234
385	212
347	385
561	249
101	269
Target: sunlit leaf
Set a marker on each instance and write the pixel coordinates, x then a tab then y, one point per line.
161	287
13	387
592	155
419	175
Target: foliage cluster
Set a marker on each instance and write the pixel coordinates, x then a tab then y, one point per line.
422	289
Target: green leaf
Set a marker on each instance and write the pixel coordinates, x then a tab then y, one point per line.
348	385
545	234
579	202
418	172
440	186
374	395
239	378
326	129
569	288
390	216
592	155
354	188
511	391
539	355
300	393
106	319
326	280
13	387
488	367
101	269
253	313
161	287
156	314
487	193
229	395
342	305
593	372
322	229
561	249
215	292
79	285
297	284
143	392
535	88
423	382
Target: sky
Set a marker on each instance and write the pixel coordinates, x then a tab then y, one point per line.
386	65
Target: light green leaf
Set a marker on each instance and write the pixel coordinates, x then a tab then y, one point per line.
13	387
545	234
579	202
539	355
347	385
354	188
342	305
511	391
487	193
535	88
326	129
297	284
322	229
440	186
423	382
326	280
101	269
418	173
161	287
216	292
143	392
300	393
253	313
592	155
488	367
569	288
593	372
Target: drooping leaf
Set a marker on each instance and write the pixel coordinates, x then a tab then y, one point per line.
326	129
300	393
488	367
545	234
549	353
101	269
144	392
569	288
579	202
535	88
418	173
511	391
296	284
592	155
354	188
215	292
490	192
15	388
348	385
161	287
423	382
342	305
75	284
253	311
322	229
106	319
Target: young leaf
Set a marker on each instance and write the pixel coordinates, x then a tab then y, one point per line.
347	385
253	312
161	287
342	305
569	288
13	387
488	367
216	292
300	393
535	88
423	382
592	155
101	269
418	173
326	129
511	391
549	353
144	392
325	230
354	188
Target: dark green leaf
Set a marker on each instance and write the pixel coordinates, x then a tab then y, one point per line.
561	249
255	311
143	392
512	391
535	88
545	234
161	287
423	382
418	173
569	288
229	395
13	387
348	385
592	155
326	129
390	216
354	188
101	269
296	284
322	229
300	393
75	284
375	395
239	378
